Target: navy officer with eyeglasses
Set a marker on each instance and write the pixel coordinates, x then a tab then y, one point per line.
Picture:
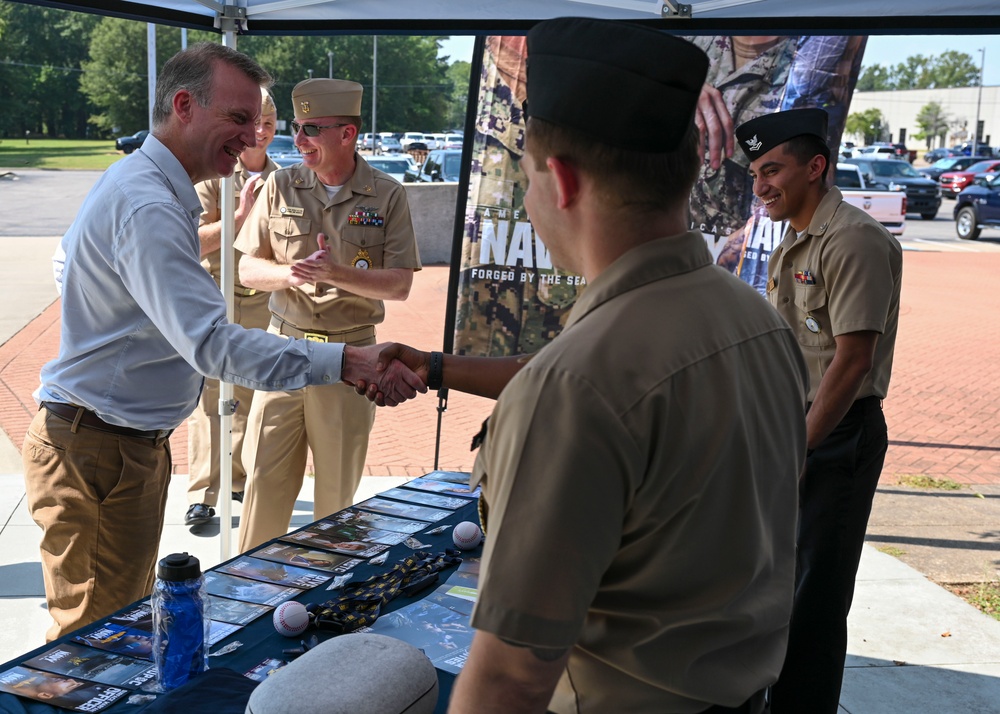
331	239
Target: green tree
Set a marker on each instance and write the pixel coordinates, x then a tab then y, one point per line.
869	123
115	78
949	69
933	123
955	69
458	75
413	87
874	79
914	73
41	51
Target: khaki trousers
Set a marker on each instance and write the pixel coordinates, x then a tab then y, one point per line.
99	499
204	424
332	420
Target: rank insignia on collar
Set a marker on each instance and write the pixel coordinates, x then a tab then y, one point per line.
365	216
362	260
368	189
304	106
771	285
804	277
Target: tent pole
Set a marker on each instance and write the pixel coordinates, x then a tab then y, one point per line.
226	404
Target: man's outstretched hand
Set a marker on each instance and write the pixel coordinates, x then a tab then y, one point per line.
377	371
394	357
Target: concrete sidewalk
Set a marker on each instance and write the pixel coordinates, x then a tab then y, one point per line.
914	647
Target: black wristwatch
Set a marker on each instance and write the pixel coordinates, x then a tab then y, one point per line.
436	373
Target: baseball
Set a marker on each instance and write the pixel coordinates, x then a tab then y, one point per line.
290	618
467	535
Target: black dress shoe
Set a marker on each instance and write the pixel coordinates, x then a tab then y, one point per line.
198	513
238	496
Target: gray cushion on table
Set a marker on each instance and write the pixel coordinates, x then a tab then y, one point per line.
360	673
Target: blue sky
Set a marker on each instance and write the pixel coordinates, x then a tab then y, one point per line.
886	50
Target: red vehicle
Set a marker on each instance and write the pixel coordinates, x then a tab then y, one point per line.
952	182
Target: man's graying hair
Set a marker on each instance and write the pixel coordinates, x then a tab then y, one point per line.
192	69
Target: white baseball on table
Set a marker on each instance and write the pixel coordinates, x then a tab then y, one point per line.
290	618
467	535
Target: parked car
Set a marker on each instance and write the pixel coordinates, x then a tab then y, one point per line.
951	163
128	144
452	141
923	195
938	154
395	166
282	150
388	143
440	165
952	182
886	207
887	151
411	137
978	207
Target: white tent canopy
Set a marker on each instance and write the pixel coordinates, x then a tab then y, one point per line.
481	16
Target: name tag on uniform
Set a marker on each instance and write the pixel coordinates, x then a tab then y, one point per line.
292	211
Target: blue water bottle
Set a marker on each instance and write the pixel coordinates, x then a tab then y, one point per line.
179	644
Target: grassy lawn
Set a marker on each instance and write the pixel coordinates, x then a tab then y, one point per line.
58	154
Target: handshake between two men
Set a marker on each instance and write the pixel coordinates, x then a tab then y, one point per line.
390	373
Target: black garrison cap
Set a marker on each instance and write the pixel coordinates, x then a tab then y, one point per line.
761	134
627	86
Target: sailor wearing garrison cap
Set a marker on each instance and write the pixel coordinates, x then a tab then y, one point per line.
638	481
835	278
347	228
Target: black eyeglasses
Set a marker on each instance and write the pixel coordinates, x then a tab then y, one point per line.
312	129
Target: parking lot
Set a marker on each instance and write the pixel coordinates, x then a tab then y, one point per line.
939	234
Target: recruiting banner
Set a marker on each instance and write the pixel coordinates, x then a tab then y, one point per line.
511	299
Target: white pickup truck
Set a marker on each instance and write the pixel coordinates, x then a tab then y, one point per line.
886	207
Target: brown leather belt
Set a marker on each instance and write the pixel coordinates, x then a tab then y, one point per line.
80	416
357	334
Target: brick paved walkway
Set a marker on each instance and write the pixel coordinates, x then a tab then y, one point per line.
943	407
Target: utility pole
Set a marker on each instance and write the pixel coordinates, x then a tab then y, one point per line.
329	56
374	92
979	102
151	69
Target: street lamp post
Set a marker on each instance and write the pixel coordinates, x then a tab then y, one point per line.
329	56
979	102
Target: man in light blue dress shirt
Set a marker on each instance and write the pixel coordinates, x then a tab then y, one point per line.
142	322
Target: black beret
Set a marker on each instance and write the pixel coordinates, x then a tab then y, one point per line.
627	86
761	134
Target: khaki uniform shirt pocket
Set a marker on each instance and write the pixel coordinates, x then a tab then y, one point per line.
812	328
363	246
294	233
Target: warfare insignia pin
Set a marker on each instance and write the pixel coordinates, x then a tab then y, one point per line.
362	261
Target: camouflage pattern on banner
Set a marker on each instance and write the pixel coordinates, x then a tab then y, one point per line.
511	299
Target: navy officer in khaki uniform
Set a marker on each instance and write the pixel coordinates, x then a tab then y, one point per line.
249	309
836	279
353	225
